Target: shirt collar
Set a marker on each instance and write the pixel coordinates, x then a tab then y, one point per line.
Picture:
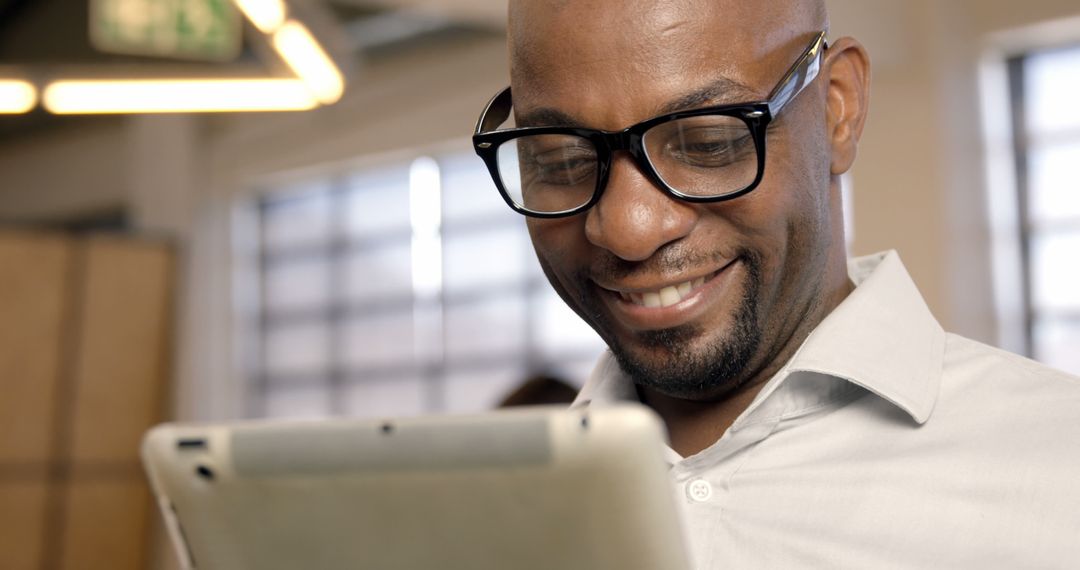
882	337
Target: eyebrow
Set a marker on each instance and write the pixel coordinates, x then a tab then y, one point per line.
720	92
723	91
547	117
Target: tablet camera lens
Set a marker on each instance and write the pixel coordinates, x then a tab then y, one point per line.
205	472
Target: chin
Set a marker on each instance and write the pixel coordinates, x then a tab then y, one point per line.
680	364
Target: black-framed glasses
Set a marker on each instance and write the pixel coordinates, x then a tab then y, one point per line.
701	155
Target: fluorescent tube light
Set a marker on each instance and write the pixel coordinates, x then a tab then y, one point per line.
303	54
266	15
17	96
176	96
425	214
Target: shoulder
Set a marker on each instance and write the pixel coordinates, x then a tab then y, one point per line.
984	379
968	358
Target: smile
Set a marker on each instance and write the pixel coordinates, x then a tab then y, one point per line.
664	297
642	306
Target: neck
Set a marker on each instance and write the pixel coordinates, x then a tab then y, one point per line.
695	425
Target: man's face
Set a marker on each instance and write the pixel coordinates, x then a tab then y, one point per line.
733	279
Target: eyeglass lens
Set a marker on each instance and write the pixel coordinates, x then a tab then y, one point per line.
549	173
704	156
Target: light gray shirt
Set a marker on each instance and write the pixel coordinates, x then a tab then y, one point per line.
886	443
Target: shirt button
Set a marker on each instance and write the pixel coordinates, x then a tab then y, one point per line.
699	490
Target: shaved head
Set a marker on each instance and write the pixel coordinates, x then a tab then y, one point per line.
539	29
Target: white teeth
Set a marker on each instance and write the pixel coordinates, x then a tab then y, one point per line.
669	296
665	297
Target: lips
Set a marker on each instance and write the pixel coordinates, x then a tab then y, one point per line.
672	304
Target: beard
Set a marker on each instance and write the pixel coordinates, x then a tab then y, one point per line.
677	366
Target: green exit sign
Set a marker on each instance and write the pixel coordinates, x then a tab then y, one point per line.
184	29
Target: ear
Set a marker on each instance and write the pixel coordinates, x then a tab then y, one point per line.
847	66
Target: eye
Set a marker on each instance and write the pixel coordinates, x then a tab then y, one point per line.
562	165
702	142
709	147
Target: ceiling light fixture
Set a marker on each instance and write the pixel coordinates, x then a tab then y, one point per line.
309	61
266	15
17	96
318	80
176	96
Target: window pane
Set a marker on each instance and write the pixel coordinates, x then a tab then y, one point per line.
390	337
380	273
1055	272
1052	83
469	194
298	284
297	349
560	330
485	260
487	328
300	220
388	397
1057	343
1055	194
378	203
470	391
379	340
296	404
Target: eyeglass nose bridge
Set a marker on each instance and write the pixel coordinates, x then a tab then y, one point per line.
628	140
632	142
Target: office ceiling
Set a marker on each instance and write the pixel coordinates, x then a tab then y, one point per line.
487	13
35	32
36	35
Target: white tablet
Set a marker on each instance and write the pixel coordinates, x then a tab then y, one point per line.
520	489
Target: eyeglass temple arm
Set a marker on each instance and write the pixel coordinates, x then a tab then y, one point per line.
496	112
800	75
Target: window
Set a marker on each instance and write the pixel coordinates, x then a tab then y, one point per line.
404	289
1046	127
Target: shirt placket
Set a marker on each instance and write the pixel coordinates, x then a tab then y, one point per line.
704	480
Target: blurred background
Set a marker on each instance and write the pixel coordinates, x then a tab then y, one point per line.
347	254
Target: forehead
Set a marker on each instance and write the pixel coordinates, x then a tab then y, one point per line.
611	63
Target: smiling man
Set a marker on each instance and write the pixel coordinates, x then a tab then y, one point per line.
678	162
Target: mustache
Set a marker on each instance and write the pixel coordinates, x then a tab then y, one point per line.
673	258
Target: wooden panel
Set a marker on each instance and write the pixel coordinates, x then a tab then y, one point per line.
33	285
22	511
106	526
123	347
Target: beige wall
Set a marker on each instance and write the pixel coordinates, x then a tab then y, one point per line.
45	175
918	184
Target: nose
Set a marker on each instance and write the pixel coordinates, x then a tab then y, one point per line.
634	218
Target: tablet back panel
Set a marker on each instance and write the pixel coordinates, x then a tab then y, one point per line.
523	489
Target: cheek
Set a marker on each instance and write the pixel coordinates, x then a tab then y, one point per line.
560	246
549	238
785	220
801	239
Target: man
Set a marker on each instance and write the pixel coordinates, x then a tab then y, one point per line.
679	164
